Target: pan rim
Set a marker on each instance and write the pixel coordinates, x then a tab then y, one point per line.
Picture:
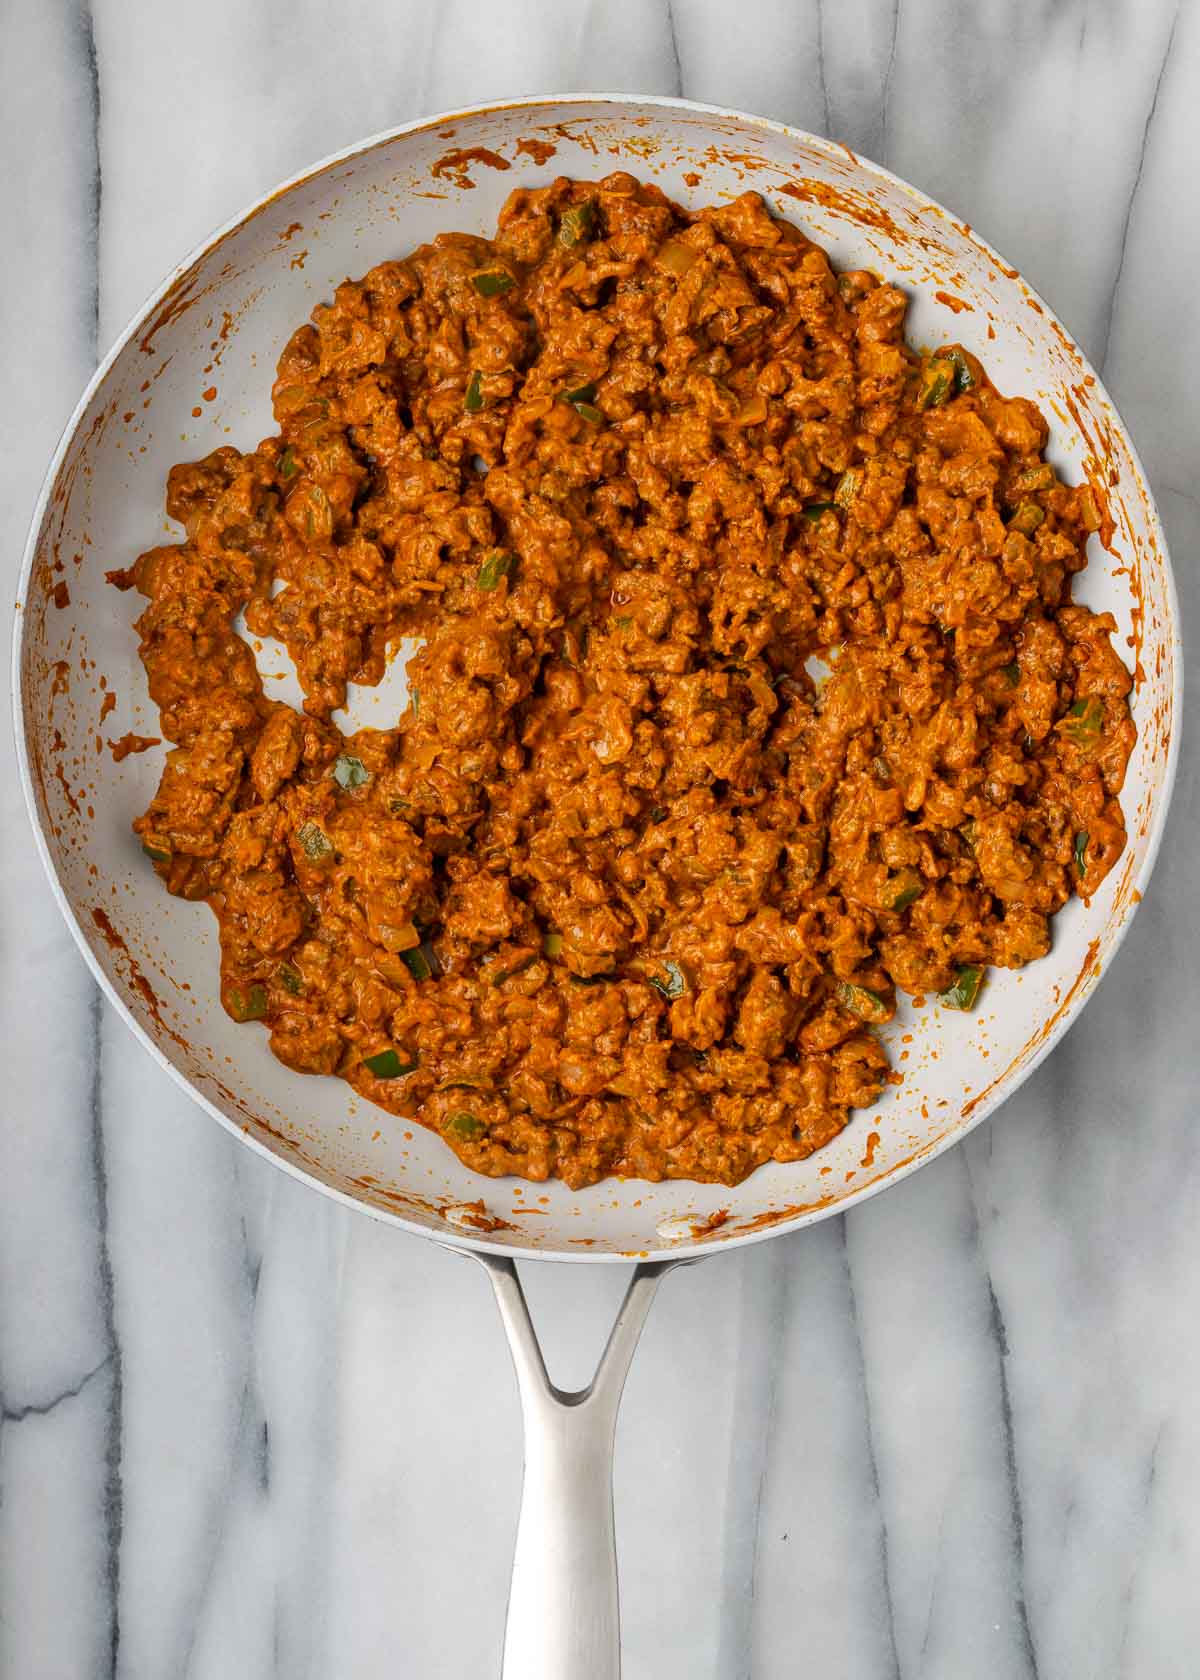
695	1247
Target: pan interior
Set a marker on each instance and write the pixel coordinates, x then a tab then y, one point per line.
218	328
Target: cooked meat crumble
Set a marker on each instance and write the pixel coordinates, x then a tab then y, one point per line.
751	689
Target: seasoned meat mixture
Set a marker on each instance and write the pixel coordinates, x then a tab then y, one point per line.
751	689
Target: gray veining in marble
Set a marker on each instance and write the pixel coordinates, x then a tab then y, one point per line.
952	1436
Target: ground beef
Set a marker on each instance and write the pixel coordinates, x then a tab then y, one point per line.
751	689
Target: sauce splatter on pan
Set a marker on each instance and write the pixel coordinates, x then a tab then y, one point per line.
455	165
131	743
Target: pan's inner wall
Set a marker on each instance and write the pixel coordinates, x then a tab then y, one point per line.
196	373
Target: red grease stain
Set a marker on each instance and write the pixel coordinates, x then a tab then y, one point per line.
406	1202
478	1217
137	979
108	704
132	744
61	595
705	1227
66	787
585	139
455	165
956	303
1090	967
748	161
763	1221
1094	465
210	395
177	300
258	1124
868	1159
847	201
541	151
691	178
1065	342
286	234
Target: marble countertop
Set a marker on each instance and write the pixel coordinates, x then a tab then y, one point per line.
955	1433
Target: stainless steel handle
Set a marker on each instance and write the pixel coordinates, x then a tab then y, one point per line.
563	1616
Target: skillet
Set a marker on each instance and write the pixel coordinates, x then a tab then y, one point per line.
193	371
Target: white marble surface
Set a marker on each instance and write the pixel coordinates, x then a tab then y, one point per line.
955	1434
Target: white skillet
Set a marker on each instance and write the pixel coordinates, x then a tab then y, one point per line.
193	371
